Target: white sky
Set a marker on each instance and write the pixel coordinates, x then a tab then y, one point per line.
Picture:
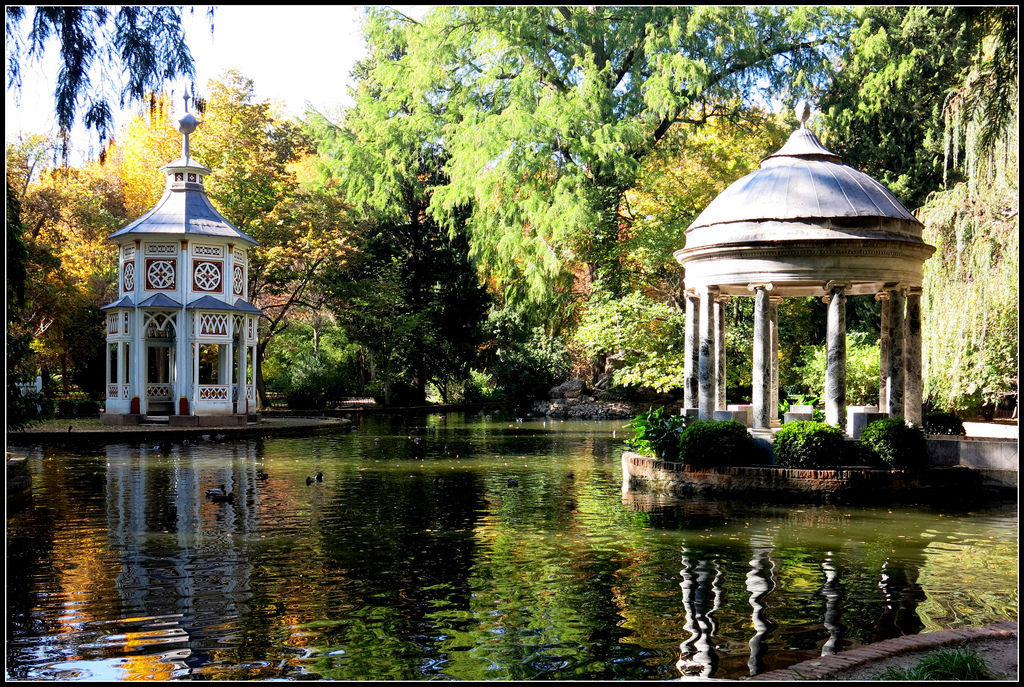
293	53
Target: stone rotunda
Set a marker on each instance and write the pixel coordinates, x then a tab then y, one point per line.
181	339
804	224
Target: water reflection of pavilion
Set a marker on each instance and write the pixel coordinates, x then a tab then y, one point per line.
748	579
182	568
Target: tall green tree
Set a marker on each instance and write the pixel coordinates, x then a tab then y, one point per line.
557	107
919	55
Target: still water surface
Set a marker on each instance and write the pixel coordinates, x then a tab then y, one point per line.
417	558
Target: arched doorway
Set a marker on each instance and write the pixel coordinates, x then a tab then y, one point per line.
160	382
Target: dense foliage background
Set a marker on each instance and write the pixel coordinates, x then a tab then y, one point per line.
497	211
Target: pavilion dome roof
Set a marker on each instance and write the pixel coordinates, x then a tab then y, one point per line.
803	181
801	219
184	209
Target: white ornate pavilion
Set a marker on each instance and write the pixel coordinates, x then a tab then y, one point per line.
181	338
804	224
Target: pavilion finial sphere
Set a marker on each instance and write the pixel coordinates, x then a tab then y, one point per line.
188	124
803	113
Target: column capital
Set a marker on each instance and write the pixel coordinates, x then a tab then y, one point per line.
691	293
883	296
723	299
775	300
711	290
767	286
896	286
833	284
914	290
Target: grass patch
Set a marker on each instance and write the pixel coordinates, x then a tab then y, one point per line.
962	663
58	425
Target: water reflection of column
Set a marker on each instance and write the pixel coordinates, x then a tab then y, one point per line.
702	596
760	583
126	521
832	591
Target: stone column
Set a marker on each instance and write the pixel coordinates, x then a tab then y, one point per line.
762	373
835	355
720	304
691	351
773	318
705	360
912	357
896	362
884	342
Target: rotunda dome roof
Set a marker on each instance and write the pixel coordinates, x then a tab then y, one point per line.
800	220
803	180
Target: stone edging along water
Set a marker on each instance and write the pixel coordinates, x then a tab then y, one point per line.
780	484
830	666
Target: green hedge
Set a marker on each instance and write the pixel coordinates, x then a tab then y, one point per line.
892	443
810	445
657	434
710	443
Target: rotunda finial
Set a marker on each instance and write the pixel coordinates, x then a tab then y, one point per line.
803	113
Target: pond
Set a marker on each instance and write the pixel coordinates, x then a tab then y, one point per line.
466	548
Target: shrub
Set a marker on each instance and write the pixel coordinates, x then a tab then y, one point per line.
88	408
657	434
894	444
808	444
707	443
941	422
67	408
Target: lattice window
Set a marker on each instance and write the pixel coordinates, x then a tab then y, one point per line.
213	324
239	256
213	393
128	270
252	328
238	282
128	252
113	391
206	276
112	324
159	326
208	251
179	176
161	249
191	177
125	323
160	274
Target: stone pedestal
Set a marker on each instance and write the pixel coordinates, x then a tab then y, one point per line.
741	416
796	417
857	420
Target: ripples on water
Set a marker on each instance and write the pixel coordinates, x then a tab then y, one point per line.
416	559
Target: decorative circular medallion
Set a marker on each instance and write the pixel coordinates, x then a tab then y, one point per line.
237	282
207	276
160	274
129	276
